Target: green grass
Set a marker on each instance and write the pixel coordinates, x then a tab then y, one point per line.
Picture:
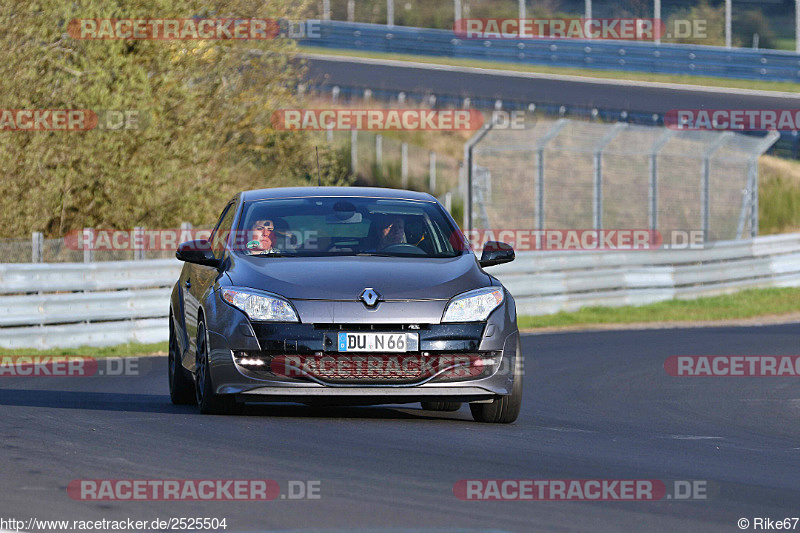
121	350
744	304
706	81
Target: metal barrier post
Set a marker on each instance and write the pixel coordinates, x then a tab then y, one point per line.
88	245
389	13
379	152
37	245
351	10
138	243
326	9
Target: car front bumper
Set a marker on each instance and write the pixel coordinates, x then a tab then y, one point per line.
496	340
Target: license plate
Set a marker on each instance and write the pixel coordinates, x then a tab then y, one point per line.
378	342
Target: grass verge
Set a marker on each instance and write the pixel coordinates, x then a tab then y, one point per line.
121	350
745	304
703	81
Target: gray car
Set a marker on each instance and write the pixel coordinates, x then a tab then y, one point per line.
342	295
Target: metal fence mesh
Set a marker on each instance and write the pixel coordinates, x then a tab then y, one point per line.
593	175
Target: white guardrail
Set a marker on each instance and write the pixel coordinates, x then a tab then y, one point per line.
98	304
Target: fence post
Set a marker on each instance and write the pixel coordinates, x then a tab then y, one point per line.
88	245
37	245
598	172
186	232
521	9
652	193
379	152
728	9
657	17
351	10
469	170
335	93
797	25
457	10
539	180
390	13
752	179
138	243
326	9
404	164
705	183
432	173
354	151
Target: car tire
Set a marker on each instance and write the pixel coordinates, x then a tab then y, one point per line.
504	409
181	388
441	406
208	401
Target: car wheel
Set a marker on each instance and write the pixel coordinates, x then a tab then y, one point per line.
441	406
505	409
209	402
181	388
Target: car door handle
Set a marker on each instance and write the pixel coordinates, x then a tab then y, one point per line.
188	284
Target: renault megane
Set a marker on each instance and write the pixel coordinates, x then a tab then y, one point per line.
339	295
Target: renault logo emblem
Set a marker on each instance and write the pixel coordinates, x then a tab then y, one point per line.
370	297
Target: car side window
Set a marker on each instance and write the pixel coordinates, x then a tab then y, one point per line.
219	238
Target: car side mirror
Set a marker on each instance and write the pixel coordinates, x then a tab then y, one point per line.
496	253
198	252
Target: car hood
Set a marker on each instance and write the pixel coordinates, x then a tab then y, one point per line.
345	278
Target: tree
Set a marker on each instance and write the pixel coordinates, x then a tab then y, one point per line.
204	117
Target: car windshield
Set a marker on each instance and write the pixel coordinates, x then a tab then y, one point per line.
347	226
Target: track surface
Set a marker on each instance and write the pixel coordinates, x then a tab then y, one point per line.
632	97
597	405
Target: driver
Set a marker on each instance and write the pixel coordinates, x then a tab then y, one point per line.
394	232
263	238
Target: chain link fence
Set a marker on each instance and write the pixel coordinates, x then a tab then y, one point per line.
566	174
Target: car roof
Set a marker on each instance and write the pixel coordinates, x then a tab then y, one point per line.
307	192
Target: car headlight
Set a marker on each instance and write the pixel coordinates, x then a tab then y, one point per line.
473	306
260	306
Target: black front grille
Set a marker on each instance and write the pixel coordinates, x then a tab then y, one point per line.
371	327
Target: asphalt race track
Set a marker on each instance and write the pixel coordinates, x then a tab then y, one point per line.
598	405
541	89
